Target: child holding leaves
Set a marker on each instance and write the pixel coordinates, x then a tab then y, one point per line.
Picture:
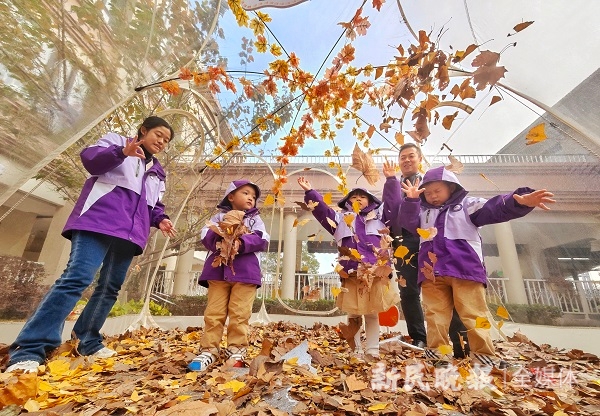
234	237
364	262
451	269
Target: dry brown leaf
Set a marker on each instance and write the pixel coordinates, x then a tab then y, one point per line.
455	165
363	162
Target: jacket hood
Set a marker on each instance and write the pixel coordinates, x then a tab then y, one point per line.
233	186
443	174
374	202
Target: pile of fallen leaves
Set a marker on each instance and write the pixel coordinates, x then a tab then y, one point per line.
303	372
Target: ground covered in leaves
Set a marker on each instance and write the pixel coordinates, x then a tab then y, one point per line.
298	371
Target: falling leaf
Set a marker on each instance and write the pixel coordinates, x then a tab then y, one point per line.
377	4
399	138
536	135
349	219
310	206
401	252
521	26
336	290
500	324
370	130
445	349
502	312
482	322
300	223
495	99
269	200
455	165
363	162
448	120
356	207
331	223
489	180
427	234
327	198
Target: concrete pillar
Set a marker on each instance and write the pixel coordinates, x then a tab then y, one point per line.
183	271
56	249
289	256
515	287
15	230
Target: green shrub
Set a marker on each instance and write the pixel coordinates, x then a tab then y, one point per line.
530	314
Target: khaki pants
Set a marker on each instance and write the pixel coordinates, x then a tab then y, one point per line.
468	297
227	299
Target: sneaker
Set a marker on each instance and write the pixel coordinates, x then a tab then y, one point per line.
202	361
236	356
28	366
489	361
104	352
419	344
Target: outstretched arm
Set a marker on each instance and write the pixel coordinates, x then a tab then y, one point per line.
321	211
534	199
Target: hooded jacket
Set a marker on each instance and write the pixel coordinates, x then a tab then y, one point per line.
122	196
457	244
366	230
246	263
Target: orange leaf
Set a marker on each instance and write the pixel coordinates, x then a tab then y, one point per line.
370	131
502	312
401	252
521	26
377	4
536	134
363	162
482	322
327	198
448	120
378	72
495	99
390	317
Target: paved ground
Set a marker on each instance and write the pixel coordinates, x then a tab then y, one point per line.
583	338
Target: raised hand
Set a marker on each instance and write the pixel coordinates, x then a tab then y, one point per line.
166	226
133	148
304	183
389	169
412	191
537	198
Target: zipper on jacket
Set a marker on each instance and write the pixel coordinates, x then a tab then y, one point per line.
137	170
426	217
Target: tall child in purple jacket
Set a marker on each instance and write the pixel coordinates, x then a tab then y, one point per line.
231	287
363	235
109	225
451	269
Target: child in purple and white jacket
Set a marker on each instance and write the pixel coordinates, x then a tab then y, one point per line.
363	235
451	269
231	288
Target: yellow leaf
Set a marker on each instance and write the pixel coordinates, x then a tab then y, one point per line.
59	367
234	385
331	223
44	386
536	134
445	349
327	198
355	253
378	406
183	397
269	200
292	361
349	219
446	406
502	312
424	233
275	49
559	413
300	223
135	396
356	207
32	405
500	324
192	375
401	252
281	201
482	322
335	290
399	138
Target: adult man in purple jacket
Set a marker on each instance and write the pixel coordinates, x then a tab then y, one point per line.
109	225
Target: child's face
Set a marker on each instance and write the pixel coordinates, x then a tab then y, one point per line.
243	198
156	139
438	192
362	199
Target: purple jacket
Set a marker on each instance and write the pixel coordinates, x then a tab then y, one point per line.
122	196
365	231
246	263
457	245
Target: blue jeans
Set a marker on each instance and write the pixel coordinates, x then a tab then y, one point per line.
42	332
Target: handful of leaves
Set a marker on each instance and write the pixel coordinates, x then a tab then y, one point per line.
230	228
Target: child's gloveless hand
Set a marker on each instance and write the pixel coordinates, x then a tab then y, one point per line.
534	199
304	183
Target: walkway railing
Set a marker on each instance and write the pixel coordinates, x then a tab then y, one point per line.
574	297
503	159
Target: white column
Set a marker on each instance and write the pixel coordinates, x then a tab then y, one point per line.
56	249
289	256
183	272
515	287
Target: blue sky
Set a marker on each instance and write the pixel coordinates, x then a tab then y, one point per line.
546	63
